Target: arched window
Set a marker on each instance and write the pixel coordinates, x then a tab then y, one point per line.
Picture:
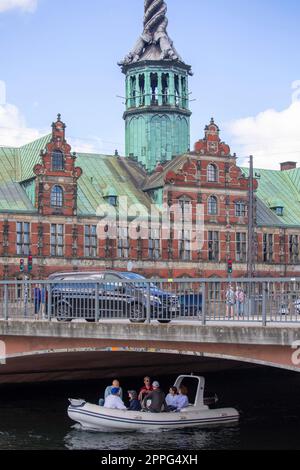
57	196
213	205
212	173
57	161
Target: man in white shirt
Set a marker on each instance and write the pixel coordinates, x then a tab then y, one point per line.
113	401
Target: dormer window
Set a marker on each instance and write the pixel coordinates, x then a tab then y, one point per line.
57	197
277	206
279	211
112	201
111	197
58	163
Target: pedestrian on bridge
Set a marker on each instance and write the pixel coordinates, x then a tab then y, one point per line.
230	302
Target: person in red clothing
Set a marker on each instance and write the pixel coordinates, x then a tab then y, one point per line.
147	388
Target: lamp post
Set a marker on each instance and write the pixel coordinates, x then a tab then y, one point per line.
251	234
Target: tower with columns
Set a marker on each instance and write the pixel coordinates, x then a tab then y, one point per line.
157	115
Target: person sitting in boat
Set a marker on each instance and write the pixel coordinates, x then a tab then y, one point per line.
182	400
155	401
114	401
146	389
134	403
171	399
115	384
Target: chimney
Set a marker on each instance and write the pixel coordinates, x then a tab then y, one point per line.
288	166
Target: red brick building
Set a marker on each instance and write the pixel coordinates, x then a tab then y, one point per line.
51	204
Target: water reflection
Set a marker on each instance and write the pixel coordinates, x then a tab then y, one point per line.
226	438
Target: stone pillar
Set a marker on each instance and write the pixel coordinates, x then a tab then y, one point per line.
172	89
148	90
180	92
159	88
137	91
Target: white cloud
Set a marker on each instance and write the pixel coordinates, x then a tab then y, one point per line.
13	129
272	137
24	5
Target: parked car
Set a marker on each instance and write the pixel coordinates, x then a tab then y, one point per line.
190	304
120	295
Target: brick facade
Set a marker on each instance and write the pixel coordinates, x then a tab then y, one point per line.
60	239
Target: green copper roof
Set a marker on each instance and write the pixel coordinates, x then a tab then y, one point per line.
13	198
29	156
283	186
103	174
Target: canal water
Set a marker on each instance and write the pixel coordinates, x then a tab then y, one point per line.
34	417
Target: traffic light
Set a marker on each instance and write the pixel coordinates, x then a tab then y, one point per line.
22	265
230	266
29	263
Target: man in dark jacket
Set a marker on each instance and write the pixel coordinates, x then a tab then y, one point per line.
156	399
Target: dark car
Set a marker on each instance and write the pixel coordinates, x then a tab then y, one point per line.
190	304
109	295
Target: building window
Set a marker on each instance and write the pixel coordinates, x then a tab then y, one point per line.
57	240
213	205
123	242
241	247
112	201
154	244
23	238
212	173
294	248
57	197
268	245
240	209
279	211
213	246
90	241
58	163
185	251
154	88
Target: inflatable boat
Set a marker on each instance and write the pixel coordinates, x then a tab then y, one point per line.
196	415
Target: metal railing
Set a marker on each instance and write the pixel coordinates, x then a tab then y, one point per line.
214	300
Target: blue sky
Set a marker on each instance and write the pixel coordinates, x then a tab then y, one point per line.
62	57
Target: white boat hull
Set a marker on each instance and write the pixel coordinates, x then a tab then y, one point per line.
96	418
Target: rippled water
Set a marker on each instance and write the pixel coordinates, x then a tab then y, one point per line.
34	417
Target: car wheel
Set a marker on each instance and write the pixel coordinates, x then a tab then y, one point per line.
63	312
137	313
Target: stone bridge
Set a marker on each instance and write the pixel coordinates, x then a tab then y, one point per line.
42	350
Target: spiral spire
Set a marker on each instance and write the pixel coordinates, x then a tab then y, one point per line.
154	43
155	15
